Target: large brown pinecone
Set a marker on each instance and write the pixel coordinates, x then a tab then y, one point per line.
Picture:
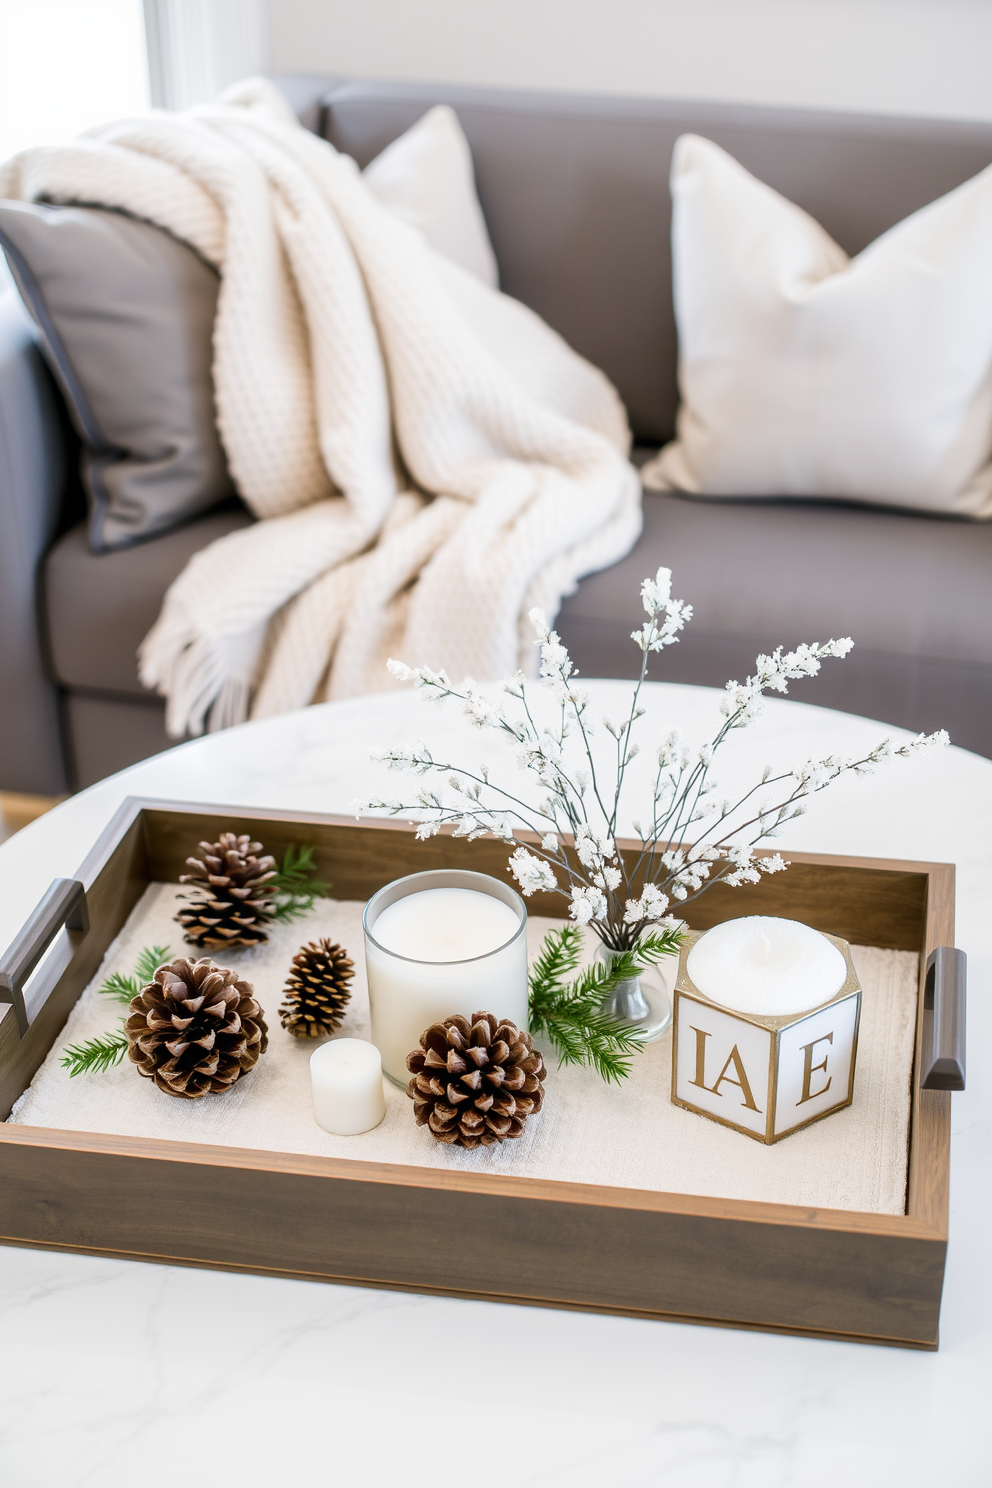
234	906
317	990
475	1082
195	1028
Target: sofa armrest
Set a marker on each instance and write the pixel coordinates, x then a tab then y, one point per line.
32	481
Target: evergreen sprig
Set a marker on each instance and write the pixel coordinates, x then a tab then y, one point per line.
295	885
96	1056
108	1049
123	988
569	1008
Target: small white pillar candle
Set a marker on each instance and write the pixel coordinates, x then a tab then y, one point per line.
346	1081
437	944
766	967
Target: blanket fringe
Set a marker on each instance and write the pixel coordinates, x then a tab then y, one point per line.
204	679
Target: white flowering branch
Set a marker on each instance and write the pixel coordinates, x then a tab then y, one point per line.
690	839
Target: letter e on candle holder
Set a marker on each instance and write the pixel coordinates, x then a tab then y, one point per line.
766	1077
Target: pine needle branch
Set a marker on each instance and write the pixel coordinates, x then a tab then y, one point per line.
559	958
148	963
295	885
96	1056
108	1049
122	988
568	1008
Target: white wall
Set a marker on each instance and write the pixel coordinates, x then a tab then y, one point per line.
929	57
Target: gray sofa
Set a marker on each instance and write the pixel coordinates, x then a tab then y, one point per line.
575	192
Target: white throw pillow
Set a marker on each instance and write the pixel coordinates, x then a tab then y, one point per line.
426	178
806	373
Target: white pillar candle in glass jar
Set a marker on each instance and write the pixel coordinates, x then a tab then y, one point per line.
439	943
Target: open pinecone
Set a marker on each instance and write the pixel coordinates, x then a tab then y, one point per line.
195	1029
317	990
475	1082
234	906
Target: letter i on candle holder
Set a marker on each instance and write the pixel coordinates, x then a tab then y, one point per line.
764	1074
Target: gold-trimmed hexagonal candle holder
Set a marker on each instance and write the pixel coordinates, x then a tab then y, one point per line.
766	1076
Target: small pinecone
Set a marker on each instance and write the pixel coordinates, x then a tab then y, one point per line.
317	990
235	906
475	1083
195	1029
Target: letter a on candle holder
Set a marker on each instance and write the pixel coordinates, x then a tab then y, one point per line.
764	1076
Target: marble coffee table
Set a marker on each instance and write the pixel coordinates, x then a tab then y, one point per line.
117	1373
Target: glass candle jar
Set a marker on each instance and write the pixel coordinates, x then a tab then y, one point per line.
438	943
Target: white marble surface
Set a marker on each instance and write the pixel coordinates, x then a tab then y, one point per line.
116	1373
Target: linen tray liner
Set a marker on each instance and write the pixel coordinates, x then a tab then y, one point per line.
630	1136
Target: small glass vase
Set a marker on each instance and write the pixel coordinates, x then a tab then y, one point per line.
643	1001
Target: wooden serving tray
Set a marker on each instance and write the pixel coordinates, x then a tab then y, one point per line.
828	1273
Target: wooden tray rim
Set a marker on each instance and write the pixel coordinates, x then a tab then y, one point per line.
932	1225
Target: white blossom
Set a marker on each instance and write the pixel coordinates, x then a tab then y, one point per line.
588	903
593	850
673	753
556	664
649	907
656	592
922	744
420	676
481	710
531	873
666	616
743	701
501	825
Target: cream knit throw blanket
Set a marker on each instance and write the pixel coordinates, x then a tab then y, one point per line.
429	458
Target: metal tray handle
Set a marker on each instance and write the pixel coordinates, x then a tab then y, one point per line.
944	1019
64	906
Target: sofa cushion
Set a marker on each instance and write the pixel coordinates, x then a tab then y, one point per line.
914	592
126	316
100	606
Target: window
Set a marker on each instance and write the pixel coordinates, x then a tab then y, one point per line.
66	65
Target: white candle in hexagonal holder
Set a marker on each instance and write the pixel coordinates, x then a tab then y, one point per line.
765	1025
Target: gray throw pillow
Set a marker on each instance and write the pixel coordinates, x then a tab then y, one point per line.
126	316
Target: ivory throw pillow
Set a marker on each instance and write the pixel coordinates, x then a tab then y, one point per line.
426	178
806	373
